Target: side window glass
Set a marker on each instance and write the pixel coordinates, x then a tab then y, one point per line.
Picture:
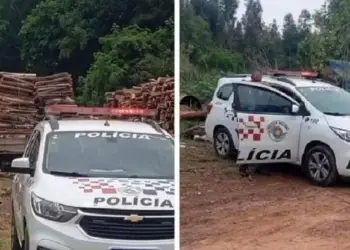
30	143
289	93
34	150
225	92
259	100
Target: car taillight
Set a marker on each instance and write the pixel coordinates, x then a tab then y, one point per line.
209	106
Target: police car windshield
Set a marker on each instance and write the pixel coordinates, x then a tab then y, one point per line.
109	154
329	100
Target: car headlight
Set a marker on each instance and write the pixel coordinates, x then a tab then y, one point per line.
52	210
343	134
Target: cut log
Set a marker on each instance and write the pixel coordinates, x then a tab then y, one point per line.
19	95
157	94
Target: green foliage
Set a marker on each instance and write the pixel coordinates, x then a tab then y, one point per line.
128	56
204	56
200	84
221	59
215	42
106	44
51	32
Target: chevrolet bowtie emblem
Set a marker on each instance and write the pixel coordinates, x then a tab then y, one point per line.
134	218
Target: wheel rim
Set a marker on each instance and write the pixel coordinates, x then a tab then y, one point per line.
222	144
319	166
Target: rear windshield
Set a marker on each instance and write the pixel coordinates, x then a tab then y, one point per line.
107	154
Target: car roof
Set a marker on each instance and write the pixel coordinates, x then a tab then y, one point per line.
99	125
294	82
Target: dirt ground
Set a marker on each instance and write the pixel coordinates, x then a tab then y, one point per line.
5	214
282	211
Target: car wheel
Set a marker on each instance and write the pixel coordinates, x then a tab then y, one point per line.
14	237
320	167
223	144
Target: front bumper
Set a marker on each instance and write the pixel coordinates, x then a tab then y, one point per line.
49	235
342	157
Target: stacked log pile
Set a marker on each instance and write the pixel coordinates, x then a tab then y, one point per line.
22	97
18	114
158	94
53	89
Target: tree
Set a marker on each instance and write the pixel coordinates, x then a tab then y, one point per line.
290	41
196	37
304	24
12	13
63	35
274	50
236	38
252	27
129	56
304	40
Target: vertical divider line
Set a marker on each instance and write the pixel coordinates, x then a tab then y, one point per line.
177	121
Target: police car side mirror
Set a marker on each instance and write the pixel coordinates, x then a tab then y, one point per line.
295	109
20	163
20	166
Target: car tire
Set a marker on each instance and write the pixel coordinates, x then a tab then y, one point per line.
223	144
320	167
14	236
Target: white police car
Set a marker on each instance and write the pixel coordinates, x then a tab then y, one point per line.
94	185
263	119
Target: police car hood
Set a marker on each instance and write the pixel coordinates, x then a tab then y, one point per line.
341	122
116	193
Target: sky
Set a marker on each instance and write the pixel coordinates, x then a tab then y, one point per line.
279	8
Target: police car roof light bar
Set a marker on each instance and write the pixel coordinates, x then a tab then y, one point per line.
280	73
97	111
309	74
103	112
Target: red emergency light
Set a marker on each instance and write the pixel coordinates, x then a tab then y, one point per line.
256	76
306	74
97	111
309	74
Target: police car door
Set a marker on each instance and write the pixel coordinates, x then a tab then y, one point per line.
226	113
268	131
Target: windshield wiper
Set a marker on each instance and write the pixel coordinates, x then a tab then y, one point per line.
149	177
107	171
71	174
334	113
132	176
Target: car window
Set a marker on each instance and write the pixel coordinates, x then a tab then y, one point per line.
225	92
109	154
34	150
288	93
30	143
259	100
